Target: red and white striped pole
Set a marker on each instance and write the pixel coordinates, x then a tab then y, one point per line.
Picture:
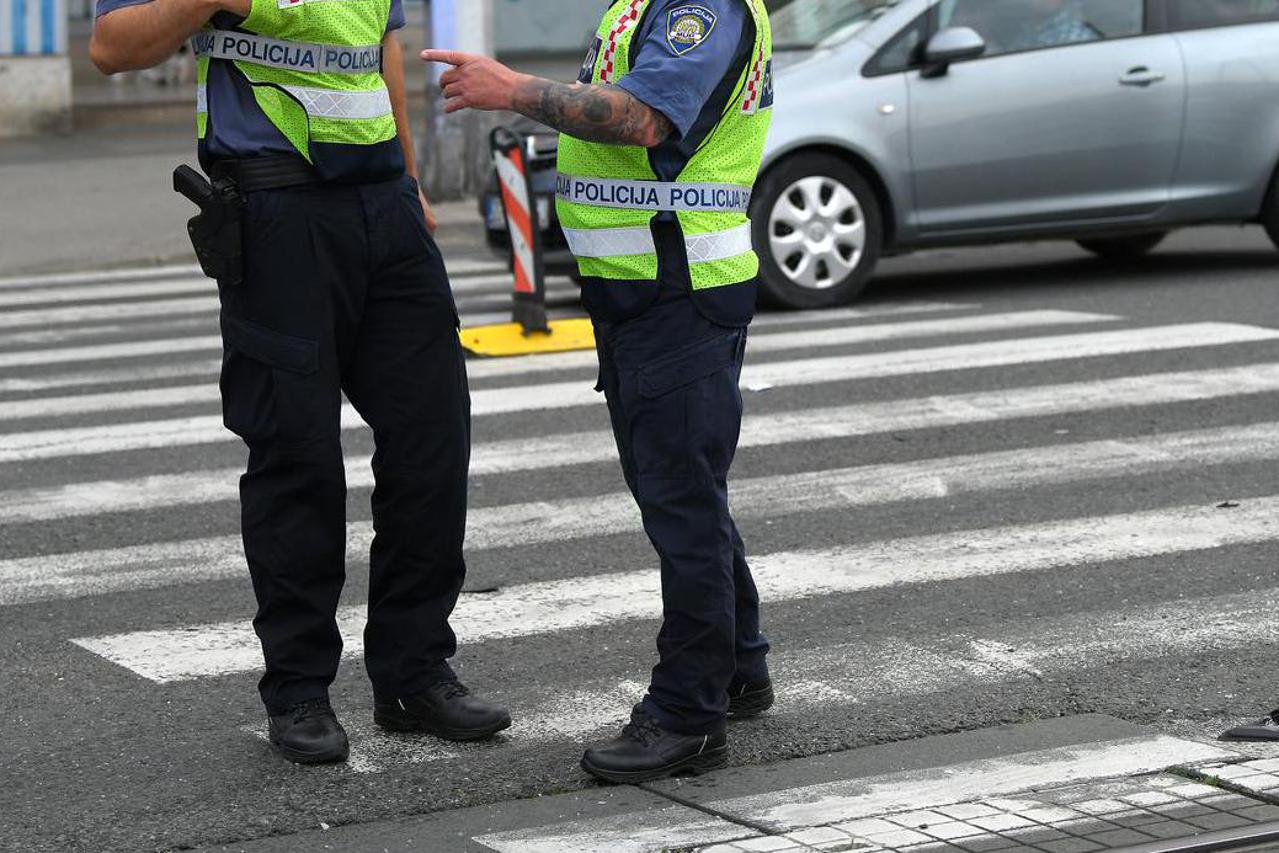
526	232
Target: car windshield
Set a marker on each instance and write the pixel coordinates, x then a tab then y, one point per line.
808	24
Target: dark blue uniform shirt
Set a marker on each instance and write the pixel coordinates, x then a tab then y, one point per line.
238	128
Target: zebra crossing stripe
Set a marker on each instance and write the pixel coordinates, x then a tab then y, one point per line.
200	651
109	376
27	282
146	314
494	401
811	338
479	369
131	330
102	293
792	426
103	352
850	799
212	344
839	489
206	393
817	679
456	268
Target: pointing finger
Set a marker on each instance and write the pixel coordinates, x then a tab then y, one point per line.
448	57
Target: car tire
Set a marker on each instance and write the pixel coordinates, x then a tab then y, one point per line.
830	264
1128	248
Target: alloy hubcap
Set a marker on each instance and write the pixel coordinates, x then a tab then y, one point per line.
817	232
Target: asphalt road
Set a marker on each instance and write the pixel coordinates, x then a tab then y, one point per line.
988	495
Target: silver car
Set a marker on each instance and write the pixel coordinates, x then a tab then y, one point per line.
917	123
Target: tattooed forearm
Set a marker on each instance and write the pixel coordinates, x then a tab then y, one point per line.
595	113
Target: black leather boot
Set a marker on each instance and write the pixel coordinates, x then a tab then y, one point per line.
645	751
748	699
446	710
309	733
1267	728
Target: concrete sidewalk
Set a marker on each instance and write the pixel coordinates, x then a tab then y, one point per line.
104	198
1068	785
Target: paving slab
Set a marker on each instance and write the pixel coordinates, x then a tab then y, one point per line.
881	759
504	826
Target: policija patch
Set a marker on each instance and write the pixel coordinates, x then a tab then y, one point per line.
689	26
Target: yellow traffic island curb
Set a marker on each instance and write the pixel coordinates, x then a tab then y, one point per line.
509	339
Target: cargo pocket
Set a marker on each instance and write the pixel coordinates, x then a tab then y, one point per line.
672	414
270	383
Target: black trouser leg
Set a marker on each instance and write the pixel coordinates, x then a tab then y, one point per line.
671	382
408	380
283	330
752	646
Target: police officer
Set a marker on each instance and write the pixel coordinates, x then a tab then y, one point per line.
663	138
302	125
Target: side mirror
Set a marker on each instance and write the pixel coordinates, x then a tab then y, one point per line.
953	44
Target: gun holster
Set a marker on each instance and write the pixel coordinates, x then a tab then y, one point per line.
217	232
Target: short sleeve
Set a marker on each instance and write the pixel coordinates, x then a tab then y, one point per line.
684	54
105	6
396	20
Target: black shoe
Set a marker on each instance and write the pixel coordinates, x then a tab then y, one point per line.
1267	728
446	710
309	733
645	751
748	699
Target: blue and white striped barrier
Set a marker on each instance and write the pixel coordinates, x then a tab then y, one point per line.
33	27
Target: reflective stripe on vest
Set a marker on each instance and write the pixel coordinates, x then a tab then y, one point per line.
292	55
654	195
324	103
625	242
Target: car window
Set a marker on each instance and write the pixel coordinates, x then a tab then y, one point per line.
1189	14
902	50
805	24
1010	26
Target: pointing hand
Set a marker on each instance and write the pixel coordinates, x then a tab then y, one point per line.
474	82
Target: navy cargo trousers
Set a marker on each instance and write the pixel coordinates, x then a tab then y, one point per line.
671	380
345	292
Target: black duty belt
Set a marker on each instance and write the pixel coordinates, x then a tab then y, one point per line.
276	172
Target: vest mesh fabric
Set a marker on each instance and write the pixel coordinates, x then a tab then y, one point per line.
351	23
731	154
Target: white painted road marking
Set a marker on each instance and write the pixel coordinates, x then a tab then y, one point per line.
199	651
67	315
133	289
809	371
846	800
457	269
858	673
213	344
813	338
781	340
85	573
555	451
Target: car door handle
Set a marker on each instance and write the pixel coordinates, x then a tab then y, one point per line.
1142	76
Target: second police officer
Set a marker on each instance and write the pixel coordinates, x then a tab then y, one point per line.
330	282
663	136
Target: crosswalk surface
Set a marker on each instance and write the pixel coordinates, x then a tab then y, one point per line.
960	514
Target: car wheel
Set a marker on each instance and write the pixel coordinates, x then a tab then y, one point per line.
1128	248
818	230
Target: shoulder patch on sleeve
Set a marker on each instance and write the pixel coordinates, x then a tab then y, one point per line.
688	27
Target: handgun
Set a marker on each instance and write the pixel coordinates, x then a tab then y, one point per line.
215	232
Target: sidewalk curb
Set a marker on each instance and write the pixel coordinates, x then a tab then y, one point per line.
656	816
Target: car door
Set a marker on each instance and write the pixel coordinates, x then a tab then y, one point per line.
1232	105
1074	113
